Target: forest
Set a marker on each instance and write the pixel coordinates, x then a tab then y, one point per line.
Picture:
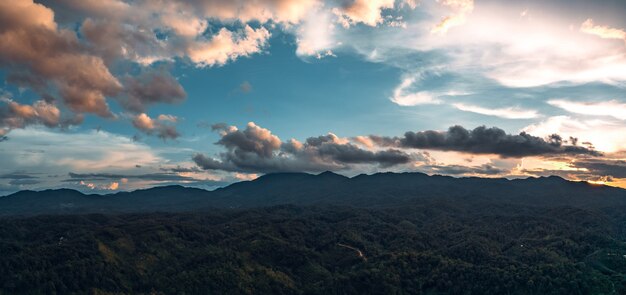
434	246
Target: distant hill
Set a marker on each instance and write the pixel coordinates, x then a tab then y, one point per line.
377	190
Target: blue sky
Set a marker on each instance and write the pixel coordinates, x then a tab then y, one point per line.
118	95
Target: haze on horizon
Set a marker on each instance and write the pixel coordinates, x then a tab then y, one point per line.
108	95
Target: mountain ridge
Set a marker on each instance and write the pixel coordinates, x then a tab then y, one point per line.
379	189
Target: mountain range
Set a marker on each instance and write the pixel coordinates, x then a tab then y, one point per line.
367	191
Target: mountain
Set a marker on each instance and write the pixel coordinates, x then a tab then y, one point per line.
367	191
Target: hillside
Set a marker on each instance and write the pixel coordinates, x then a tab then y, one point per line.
429	248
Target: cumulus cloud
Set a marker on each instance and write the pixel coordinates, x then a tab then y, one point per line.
151	126
16	115
38	54
256	149
41	112
39	51
507	113
253	139
316	34
149	88
483	140
226	46
367	12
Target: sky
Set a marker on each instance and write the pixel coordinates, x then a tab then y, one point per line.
114	95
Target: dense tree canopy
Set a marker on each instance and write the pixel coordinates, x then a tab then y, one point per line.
421	247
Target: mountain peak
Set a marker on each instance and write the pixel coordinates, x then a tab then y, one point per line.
330	174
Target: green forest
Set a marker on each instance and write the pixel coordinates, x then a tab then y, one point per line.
421	247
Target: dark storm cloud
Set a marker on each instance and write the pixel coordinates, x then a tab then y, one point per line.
483	140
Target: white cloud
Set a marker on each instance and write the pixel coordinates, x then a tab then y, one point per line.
404	97
460	10
38	149
226	46
316	35
507	113
604	32
605	135
363	11
496	43
612	108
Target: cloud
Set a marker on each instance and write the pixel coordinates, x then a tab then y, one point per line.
49	58
151	87
606	135
167	118
507	113
41	112
602	167
158	177
604	32
612	108
485	169
73	150
281	11
39	54
544	49
483	140
367	12
22	182
315	36
256	149
150	126
253	139
226	46
15	115
460	10
17	176
404	97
